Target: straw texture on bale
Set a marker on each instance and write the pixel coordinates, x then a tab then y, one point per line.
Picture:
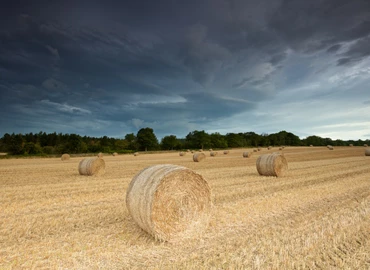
213	154
247	154
65	157
367	152
100	155
197	157
91	166
226	152
272	164
136	154
169	202
181	154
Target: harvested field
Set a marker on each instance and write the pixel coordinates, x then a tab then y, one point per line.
317	216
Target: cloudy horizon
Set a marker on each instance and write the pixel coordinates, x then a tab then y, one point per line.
110	68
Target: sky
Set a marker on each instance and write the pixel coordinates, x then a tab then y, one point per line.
109	68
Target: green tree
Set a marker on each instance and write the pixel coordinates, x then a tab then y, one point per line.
147	139
16	144
218	140
198	139
132	141
169	142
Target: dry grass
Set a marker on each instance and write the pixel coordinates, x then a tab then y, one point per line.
316	217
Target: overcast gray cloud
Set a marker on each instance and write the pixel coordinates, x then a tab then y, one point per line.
110	68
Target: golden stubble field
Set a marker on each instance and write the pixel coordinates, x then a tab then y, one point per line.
315	217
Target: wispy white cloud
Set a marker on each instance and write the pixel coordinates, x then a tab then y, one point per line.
64	107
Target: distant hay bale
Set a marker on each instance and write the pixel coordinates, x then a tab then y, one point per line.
181	154
200	150
188	150
259	149
136	154
192	151
351	145
210	150
92	166
100	155
281	148
115	154
254	150
226	152
367	152
213	153
268	148
365	145
197	157
330	147
65	157
247	154
311	145
169	202
272	164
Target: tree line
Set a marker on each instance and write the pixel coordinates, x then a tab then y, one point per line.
145	140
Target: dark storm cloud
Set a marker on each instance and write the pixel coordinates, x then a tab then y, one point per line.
356	52
115	64
309	26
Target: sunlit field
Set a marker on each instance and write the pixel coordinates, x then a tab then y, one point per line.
317	216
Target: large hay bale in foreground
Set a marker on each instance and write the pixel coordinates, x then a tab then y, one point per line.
271	164
213	154
181	154
226	152
247	154
169	202
197	157
367	152
92	166
100	155
65	157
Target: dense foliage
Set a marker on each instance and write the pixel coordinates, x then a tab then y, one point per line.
48	144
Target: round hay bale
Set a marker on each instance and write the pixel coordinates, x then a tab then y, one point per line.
281	148
351	145
136	154
330	147
197	157
115	154
226	152
247	154
188	150
268	148
169	202
100	155
192	151
259	149
271	164
213	154
210	150
181	154
92	166
365	145
367	152
65	157
200	150
311	145
254	150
